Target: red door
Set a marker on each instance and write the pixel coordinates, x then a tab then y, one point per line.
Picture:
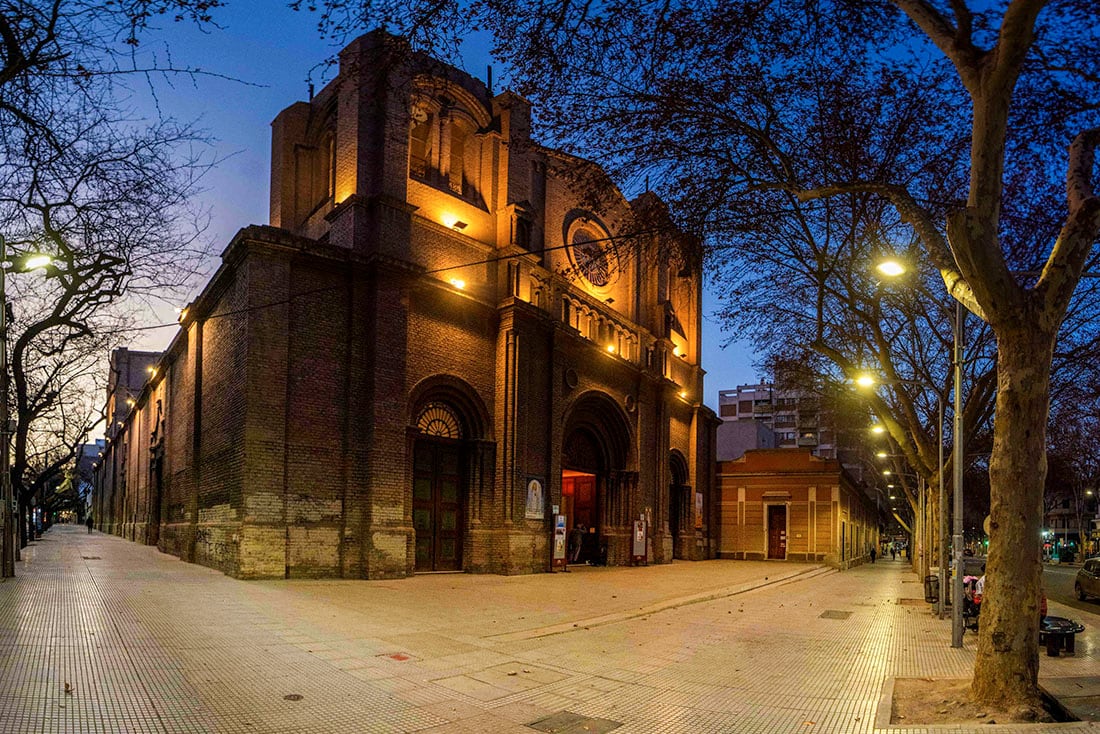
777	532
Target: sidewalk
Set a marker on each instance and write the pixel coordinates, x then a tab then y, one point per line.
150	644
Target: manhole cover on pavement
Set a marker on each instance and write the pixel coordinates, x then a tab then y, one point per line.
293	697
566	722
834	614
91	558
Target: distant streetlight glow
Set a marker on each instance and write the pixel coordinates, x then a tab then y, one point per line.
865	380
878	428
458	283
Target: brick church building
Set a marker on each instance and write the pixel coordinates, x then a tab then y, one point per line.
446	332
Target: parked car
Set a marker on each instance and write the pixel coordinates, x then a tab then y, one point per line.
1088	580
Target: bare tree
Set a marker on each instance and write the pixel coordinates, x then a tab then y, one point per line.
102	192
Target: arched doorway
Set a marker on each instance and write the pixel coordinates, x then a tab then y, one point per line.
679	503
582	464
450	463
597	490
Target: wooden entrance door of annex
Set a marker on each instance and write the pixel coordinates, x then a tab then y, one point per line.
437	505
777	532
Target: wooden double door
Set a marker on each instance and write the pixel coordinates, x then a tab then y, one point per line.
438	505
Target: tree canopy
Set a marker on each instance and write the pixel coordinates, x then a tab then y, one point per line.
814	132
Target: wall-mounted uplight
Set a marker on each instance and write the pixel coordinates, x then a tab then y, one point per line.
459	225
131	402
878	428
183	315
683	394
458	283
610	348
152	371
882	454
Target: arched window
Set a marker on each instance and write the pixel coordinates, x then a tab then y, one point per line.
456	174
420	147
328	166
439	420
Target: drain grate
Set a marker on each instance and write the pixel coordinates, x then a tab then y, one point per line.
566	722
910	602
90	558
834	614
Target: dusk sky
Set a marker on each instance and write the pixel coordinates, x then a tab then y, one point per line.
270	51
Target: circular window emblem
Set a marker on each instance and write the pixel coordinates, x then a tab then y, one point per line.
592	257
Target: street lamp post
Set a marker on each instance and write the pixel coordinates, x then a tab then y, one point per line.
7	496
891	268
957	467
867	380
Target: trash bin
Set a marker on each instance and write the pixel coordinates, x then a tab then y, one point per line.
931	589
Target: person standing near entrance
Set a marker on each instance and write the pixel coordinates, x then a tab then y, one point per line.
576	540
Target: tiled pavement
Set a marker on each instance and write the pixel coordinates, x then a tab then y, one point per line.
146	643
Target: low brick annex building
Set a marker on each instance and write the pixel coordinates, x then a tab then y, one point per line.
439	339
787	504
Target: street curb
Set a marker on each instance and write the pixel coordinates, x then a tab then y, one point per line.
884	709
661	606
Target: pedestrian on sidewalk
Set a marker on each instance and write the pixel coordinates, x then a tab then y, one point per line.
893	553
89	523
873	554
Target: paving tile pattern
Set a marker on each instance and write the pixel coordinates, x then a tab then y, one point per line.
147	643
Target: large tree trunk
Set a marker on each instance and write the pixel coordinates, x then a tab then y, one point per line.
1007	666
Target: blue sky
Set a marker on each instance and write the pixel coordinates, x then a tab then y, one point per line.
268	52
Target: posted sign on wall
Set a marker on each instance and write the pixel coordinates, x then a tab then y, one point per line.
637	549
558	557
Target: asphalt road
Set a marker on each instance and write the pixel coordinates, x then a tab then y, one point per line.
1058	582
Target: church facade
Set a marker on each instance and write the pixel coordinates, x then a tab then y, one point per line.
448	337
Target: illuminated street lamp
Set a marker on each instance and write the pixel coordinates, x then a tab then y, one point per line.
890	268
893	269
24	262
